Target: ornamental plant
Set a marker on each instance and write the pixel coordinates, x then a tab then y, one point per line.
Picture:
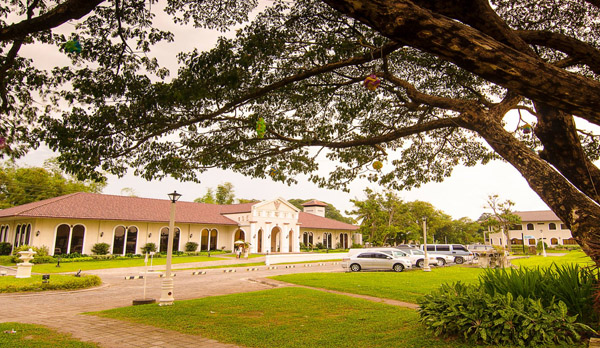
101	249
470	312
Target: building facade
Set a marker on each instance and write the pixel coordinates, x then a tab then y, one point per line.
74	223
535	226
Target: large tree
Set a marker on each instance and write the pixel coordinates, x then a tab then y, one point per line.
21	185
450	73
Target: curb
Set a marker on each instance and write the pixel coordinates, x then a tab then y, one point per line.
199	273
133	277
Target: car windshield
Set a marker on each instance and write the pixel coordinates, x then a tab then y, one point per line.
418	252
398	254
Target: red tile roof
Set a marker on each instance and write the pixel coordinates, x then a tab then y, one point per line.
313	203
308	220
539	215
83	205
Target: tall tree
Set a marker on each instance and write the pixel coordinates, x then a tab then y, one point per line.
21	185
449	72
224	194
501	217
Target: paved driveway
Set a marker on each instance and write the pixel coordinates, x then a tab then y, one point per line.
62	310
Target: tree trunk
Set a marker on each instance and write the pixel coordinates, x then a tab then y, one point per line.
575	209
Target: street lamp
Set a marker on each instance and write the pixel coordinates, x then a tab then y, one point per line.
426	261
166	288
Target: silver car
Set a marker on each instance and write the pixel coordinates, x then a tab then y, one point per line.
418	257
375	260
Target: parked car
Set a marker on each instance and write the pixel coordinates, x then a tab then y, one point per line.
458	251
418	257
375	260
477	248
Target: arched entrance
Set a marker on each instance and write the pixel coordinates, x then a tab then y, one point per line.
239	235
259	246
275	239
344	241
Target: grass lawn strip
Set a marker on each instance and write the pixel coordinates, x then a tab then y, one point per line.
92	265
9	284
288	317
578	257
404	286
36	336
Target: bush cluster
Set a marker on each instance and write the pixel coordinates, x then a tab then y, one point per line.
499	319
149	248
538	301
191	246
101	248
5	248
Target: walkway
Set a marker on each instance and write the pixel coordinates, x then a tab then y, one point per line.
62	310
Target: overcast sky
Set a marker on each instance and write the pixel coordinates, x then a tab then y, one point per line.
464	194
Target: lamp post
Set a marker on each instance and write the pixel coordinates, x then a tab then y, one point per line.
426	260
166	288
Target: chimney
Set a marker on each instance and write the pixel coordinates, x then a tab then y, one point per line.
315	207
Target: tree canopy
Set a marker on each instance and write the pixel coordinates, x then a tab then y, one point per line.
21	185
386	219
447	74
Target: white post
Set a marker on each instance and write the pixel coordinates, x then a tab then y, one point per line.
543	246
166	295
426	261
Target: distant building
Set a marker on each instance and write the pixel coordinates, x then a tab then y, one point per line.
534	226
75	222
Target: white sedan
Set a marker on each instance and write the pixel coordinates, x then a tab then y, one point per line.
375	260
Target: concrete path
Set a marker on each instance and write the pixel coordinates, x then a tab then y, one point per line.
62	310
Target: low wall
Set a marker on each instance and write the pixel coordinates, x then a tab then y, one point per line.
304	257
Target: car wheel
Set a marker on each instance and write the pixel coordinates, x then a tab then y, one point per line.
420	263
355	267
441	262
459	260
398	267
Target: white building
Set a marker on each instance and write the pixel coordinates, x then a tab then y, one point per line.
75	222
534	226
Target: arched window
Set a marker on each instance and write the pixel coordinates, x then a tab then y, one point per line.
119	240
164	239
530	227
27	233
344	240
553	241
327	240
69	239
532	241
17	236
214	237
552	226
3	233
569	241
239	235
204	239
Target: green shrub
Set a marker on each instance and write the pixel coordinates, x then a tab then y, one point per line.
43	259
10	284
149	248
570	283
191	246
39	251
499	319
356	246
5	248
101	248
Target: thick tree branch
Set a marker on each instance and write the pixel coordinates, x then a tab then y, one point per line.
68	10
581	51
478	53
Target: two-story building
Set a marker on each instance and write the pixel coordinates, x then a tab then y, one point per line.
534	226
75	222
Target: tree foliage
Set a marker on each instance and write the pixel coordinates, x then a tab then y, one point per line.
21	185
450	73
386	219
331	212
224	194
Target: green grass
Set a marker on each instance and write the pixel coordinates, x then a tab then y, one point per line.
578	257
289	317
91	265
405	286
37	336
6	260
56	282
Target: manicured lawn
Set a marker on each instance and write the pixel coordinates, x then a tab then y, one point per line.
289	317
37	336
90	265
56	282
405	286
578	257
